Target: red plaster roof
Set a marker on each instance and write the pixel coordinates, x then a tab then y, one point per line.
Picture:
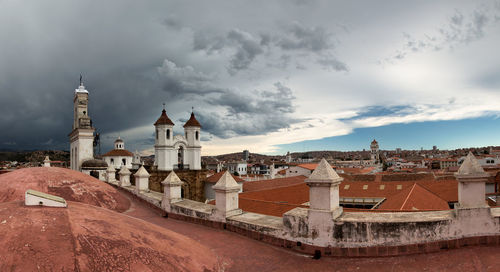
86	238
192	122
415	197
164	120
118	152
215	177
68	184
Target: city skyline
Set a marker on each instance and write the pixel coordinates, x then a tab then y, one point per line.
267	77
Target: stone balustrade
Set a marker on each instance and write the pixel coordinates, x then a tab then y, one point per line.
324	229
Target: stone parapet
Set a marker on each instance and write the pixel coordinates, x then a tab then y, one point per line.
353	234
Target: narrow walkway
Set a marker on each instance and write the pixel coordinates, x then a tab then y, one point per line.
239	253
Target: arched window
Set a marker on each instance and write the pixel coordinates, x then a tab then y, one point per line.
168	134
112	161
197	135
157	134
124	161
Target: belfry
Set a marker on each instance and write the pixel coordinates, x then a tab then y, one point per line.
82	135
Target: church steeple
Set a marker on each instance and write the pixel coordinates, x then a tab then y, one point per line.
82	135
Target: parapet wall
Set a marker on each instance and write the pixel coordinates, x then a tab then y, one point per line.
365	229
351	234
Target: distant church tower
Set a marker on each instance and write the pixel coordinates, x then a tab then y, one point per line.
82	136
374	151
165	153
179	151
193	150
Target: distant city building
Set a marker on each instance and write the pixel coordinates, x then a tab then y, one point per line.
288	158
246	155
237	167
375	156
434	148
398	150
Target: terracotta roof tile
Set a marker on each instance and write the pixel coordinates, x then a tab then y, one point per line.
164	120
258	185
192	122
215	177
415	197
281	199
118	152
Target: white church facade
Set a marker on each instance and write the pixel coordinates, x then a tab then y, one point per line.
171	152
179	151
119	156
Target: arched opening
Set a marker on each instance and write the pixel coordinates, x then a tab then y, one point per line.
113	161
156	134
197	135
180	157
124	161
168	134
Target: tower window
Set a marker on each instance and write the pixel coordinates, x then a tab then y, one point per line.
196	135
112	161
168	134
156	134
84	112
124	161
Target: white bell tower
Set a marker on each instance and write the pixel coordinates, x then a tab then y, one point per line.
164	143
82	136
192	130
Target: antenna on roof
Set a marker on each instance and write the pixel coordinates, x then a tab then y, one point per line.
192	109
81	84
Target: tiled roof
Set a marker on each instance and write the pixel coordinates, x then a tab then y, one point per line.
364	170
309	166
267	201
118	152
215	177
164	120
415	197
192	122
251	186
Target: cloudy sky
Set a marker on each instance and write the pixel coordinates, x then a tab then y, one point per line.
268	76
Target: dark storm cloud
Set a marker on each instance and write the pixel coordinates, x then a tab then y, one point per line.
179	82
252	114
295	38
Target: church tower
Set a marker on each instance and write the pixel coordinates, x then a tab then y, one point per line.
82	135
165	153
192	130
374	151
